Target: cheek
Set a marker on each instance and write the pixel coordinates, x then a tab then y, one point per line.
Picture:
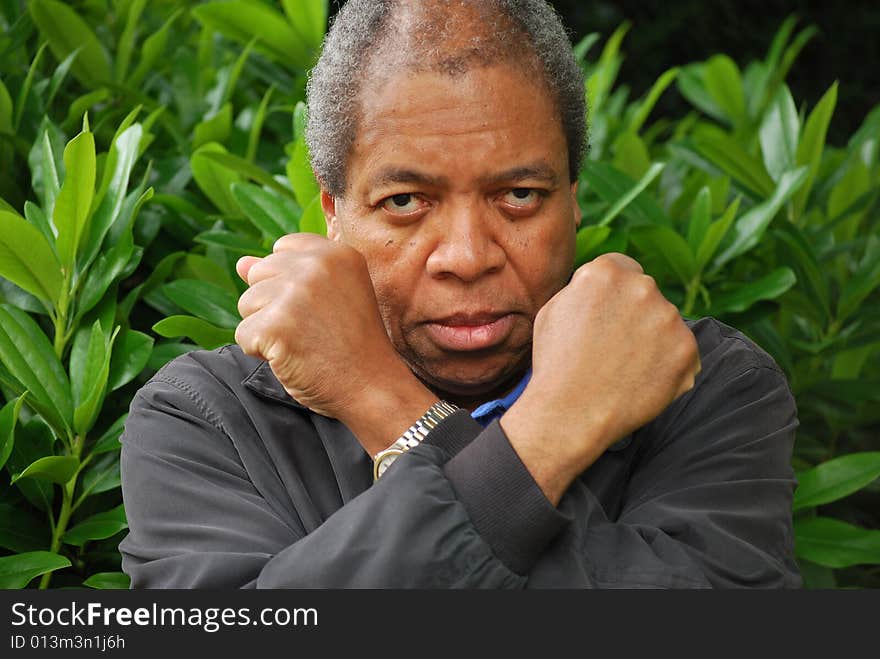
546	260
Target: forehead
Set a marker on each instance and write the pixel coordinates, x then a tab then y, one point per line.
485	119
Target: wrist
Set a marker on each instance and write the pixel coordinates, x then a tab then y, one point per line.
386	409
555	445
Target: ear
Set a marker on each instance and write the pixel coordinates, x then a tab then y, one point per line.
328	205
575	207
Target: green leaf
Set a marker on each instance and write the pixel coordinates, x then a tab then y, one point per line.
701	217
611	185
587	240
299	169
308	17
131	352
215	128
798	253
27	260
233	242
101	475
631	194
35	215
246	169
834	543
89	376
312	220
20	531
18	570
835	479
748	230
58	77
653	95
809	152
151	51
196	266
111	197
215	179
34	440
723	82
125	45
275	216
104	272
45	163
25	90
667	245
6	110
257	125
631	155
53	468
77	109
200	331
8	418
692	86
845	196
97	527
864	281
242	21
109	441
205	300
744	296
74	202
108	581
67	32
779	134
27	354
730	157
605	70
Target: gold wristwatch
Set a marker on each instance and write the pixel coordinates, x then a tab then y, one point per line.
412	437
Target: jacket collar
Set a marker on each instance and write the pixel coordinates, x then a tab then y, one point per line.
262	381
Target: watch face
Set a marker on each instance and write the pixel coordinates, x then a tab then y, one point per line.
384	461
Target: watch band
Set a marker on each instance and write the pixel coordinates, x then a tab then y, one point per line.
412	436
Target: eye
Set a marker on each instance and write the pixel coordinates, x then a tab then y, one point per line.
522	198
402	204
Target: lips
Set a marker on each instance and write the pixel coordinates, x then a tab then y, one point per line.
468	332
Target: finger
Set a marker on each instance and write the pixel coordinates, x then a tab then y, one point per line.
244	265
256	297
622	260
298	241
248	336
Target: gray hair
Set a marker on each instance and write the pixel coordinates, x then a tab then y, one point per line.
527	33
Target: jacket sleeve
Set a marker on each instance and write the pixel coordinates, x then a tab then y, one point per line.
198	520
707	502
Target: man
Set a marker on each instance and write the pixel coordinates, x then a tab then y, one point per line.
429	397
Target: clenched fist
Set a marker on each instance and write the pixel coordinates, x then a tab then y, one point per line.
610	353
311	313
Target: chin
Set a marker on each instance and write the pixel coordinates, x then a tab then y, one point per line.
474	383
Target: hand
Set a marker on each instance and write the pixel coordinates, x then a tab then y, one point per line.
311	313
610	353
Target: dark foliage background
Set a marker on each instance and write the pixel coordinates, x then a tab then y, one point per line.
665	34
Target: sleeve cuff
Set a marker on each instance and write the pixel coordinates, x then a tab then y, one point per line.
504	502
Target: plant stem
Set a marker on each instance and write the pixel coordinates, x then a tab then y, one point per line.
66	509
691	290
60	526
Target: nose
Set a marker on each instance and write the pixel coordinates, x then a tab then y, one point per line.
466	247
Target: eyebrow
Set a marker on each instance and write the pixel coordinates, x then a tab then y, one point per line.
539	170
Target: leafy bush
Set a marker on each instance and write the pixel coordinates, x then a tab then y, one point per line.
148	145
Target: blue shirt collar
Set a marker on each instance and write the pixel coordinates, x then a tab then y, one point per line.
488	412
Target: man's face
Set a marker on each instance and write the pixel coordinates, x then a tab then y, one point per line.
459	200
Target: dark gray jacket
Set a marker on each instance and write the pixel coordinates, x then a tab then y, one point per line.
228	482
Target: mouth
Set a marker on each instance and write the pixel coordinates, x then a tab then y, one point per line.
470	332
